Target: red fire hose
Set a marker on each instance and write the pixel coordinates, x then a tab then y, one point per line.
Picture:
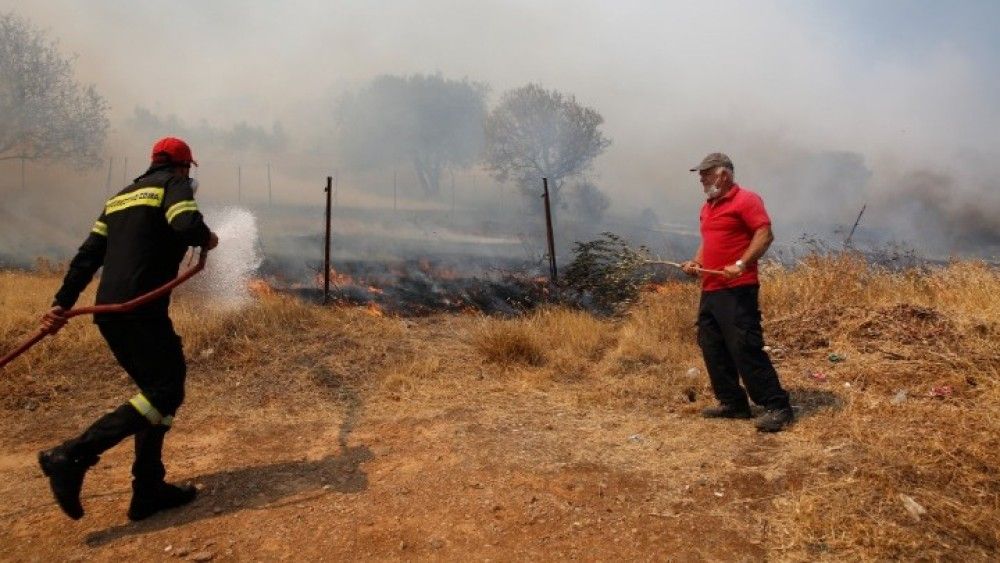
113	308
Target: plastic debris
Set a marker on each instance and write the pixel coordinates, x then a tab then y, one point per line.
941	392
818	376
912	506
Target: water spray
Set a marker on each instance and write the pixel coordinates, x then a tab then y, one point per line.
225	281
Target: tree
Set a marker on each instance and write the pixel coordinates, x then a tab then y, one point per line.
427	120
44	112
535	133
589	202
241	137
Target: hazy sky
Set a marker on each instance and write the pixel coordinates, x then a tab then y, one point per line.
906	84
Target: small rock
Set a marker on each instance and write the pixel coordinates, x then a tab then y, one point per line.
167	549
899	398
182	551
202	556
436	543
217	510
913	507
692	372
635	438
719	494
207	352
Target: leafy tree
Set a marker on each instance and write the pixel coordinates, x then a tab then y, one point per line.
589	202
427	120
44	112
535	133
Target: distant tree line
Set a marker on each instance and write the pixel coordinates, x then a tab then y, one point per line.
435	124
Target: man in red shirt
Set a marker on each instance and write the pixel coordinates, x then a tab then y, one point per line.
735	233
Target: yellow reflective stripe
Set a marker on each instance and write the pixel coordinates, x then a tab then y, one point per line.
168	421
181	207
146	409
100	228
151	196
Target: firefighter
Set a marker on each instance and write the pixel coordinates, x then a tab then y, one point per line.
140	239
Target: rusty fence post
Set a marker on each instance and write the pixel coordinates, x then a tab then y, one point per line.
326	243
553	274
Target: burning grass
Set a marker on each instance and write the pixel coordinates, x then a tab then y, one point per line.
896	376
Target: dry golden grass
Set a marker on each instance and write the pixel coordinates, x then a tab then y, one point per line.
856	453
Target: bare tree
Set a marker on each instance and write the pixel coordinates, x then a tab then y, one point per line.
535	133
430	121
44	112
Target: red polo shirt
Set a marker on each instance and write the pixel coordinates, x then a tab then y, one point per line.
727	225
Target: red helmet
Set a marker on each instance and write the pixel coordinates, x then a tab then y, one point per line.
172	150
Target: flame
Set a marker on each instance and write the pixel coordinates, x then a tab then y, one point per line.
336	278
374	310
259	287
657	288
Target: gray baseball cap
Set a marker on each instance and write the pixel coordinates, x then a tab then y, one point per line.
714	160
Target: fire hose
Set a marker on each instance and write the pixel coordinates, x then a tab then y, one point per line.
679	265
111	308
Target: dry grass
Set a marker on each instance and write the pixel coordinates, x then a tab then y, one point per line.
855	449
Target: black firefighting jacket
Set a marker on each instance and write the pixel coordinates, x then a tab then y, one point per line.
140	239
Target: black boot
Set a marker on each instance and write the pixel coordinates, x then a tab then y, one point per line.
65	475
147	500
66	465
150	494
148	464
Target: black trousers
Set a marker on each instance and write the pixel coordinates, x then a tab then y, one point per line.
732	342
151	353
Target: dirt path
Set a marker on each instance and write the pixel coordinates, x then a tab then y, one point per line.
483	470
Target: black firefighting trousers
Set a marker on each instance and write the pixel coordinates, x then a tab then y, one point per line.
732	342
151	353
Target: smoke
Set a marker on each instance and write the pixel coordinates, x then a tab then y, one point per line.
944	212
241	137
824	107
